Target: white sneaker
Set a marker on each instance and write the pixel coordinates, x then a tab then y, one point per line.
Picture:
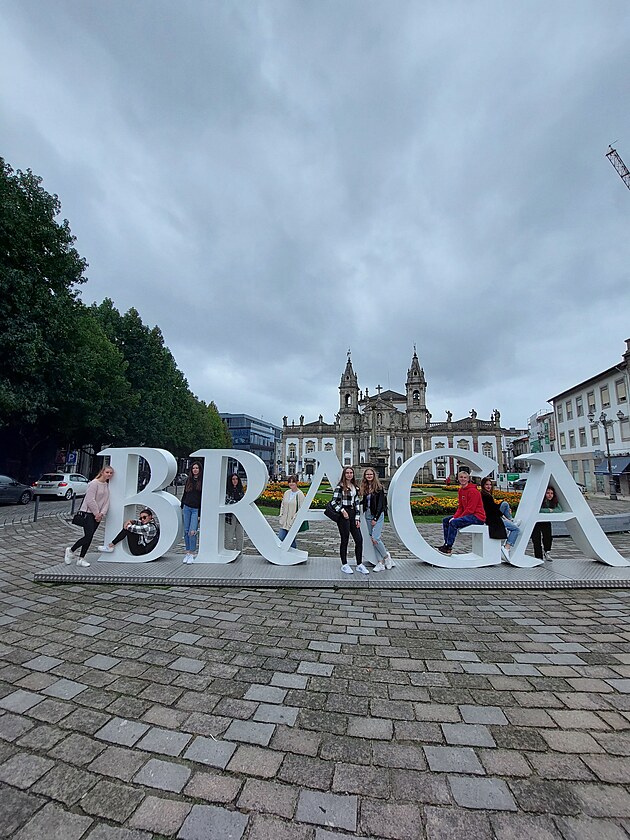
106	549
389	563
68	556
188	558
379	567
363	569
547	555
191	558
505	553
82	562
347	569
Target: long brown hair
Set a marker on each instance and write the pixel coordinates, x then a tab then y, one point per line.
483	489
193	483
365	484
552	503
345	484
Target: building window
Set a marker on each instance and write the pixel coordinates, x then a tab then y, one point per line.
575	470
595	435
417	445
582	437
560	415
346	462
380	441
620	390
571	439
590	401
625	429
563	440
416	396
328	447
292	451
440	471
569	408
579	406
605	396
399	443
310	446
463	444
610	432
486	449
347	445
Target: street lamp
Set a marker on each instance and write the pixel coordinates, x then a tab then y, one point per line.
604	422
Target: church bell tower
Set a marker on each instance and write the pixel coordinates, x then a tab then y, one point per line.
348	397
417	414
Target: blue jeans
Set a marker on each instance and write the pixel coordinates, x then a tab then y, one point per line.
451	526
282	534
510	527
375	532
191	522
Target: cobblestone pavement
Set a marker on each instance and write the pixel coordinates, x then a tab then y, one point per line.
208	714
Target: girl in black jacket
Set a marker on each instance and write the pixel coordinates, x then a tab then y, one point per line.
374	506
494	517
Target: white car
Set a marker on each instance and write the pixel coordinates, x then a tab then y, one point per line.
61	485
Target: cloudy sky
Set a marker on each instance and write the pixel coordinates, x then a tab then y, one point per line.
274	182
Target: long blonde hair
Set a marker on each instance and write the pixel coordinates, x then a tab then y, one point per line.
365	485
102	470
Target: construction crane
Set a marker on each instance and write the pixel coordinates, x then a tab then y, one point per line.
619	165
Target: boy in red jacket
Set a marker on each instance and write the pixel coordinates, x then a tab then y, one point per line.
469	510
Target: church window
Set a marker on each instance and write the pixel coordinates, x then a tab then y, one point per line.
292	450
380	441
486	449
328	447
440	471
347	400
398	461
416	396
463	444
310	446
347	445
346	462
417	445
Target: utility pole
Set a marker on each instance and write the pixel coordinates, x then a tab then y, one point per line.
620	166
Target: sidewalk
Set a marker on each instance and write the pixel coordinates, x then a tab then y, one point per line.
130	714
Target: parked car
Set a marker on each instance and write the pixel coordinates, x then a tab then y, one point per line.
180	479
12	492
61	485
519	485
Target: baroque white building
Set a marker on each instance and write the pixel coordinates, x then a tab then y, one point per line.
386	428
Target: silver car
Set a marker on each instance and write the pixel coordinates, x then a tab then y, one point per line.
61	485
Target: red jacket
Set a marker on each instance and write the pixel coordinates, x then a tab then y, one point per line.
470	502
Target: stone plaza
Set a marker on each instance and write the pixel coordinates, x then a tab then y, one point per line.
129	713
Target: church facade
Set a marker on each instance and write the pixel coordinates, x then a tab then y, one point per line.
386	428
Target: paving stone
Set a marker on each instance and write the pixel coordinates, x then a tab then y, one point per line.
162	816
463	734
572	742
65	783
264	827
77	749
268	797
213	787
356	778
483	714
606	768
560	766
306	771
110	832
164	741
317	669
523	827
402	756
118	762
185	638
504	763
122	731
43	663
211	752
296	740
289	680
438	712
24	769
265	694
102	663
584	828
64	689
255	761
482	794
394	822
250	732
453	760
602	800
457	824
20	701
328	809
208	822
165	775
16	807
13	727
187	665
369	727
111	801
546	797
53	823
419	787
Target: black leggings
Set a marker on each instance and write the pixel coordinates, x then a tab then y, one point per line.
89	529
541	538
135	547
346	527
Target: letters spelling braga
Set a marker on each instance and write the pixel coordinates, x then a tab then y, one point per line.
545	468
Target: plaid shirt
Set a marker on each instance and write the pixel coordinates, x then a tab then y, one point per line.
148	531
344	498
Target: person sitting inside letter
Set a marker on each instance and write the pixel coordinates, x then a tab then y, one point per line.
141	534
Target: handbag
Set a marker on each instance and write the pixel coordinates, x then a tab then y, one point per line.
79	518
304	526
331	513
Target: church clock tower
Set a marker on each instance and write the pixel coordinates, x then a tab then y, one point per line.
417	414
348	398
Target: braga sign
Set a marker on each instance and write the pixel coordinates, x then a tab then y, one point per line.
545	468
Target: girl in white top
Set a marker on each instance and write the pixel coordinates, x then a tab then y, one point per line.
95	506
289	507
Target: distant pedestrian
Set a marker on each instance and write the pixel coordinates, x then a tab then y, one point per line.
289	507
142	535
469	511
94	508
346	501
374	505
542	538
191	505
234	492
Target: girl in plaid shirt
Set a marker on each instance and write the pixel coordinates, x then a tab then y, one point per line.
347	503
141	534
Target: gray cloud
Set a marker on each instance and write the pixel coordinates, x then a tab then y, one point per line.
273	182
